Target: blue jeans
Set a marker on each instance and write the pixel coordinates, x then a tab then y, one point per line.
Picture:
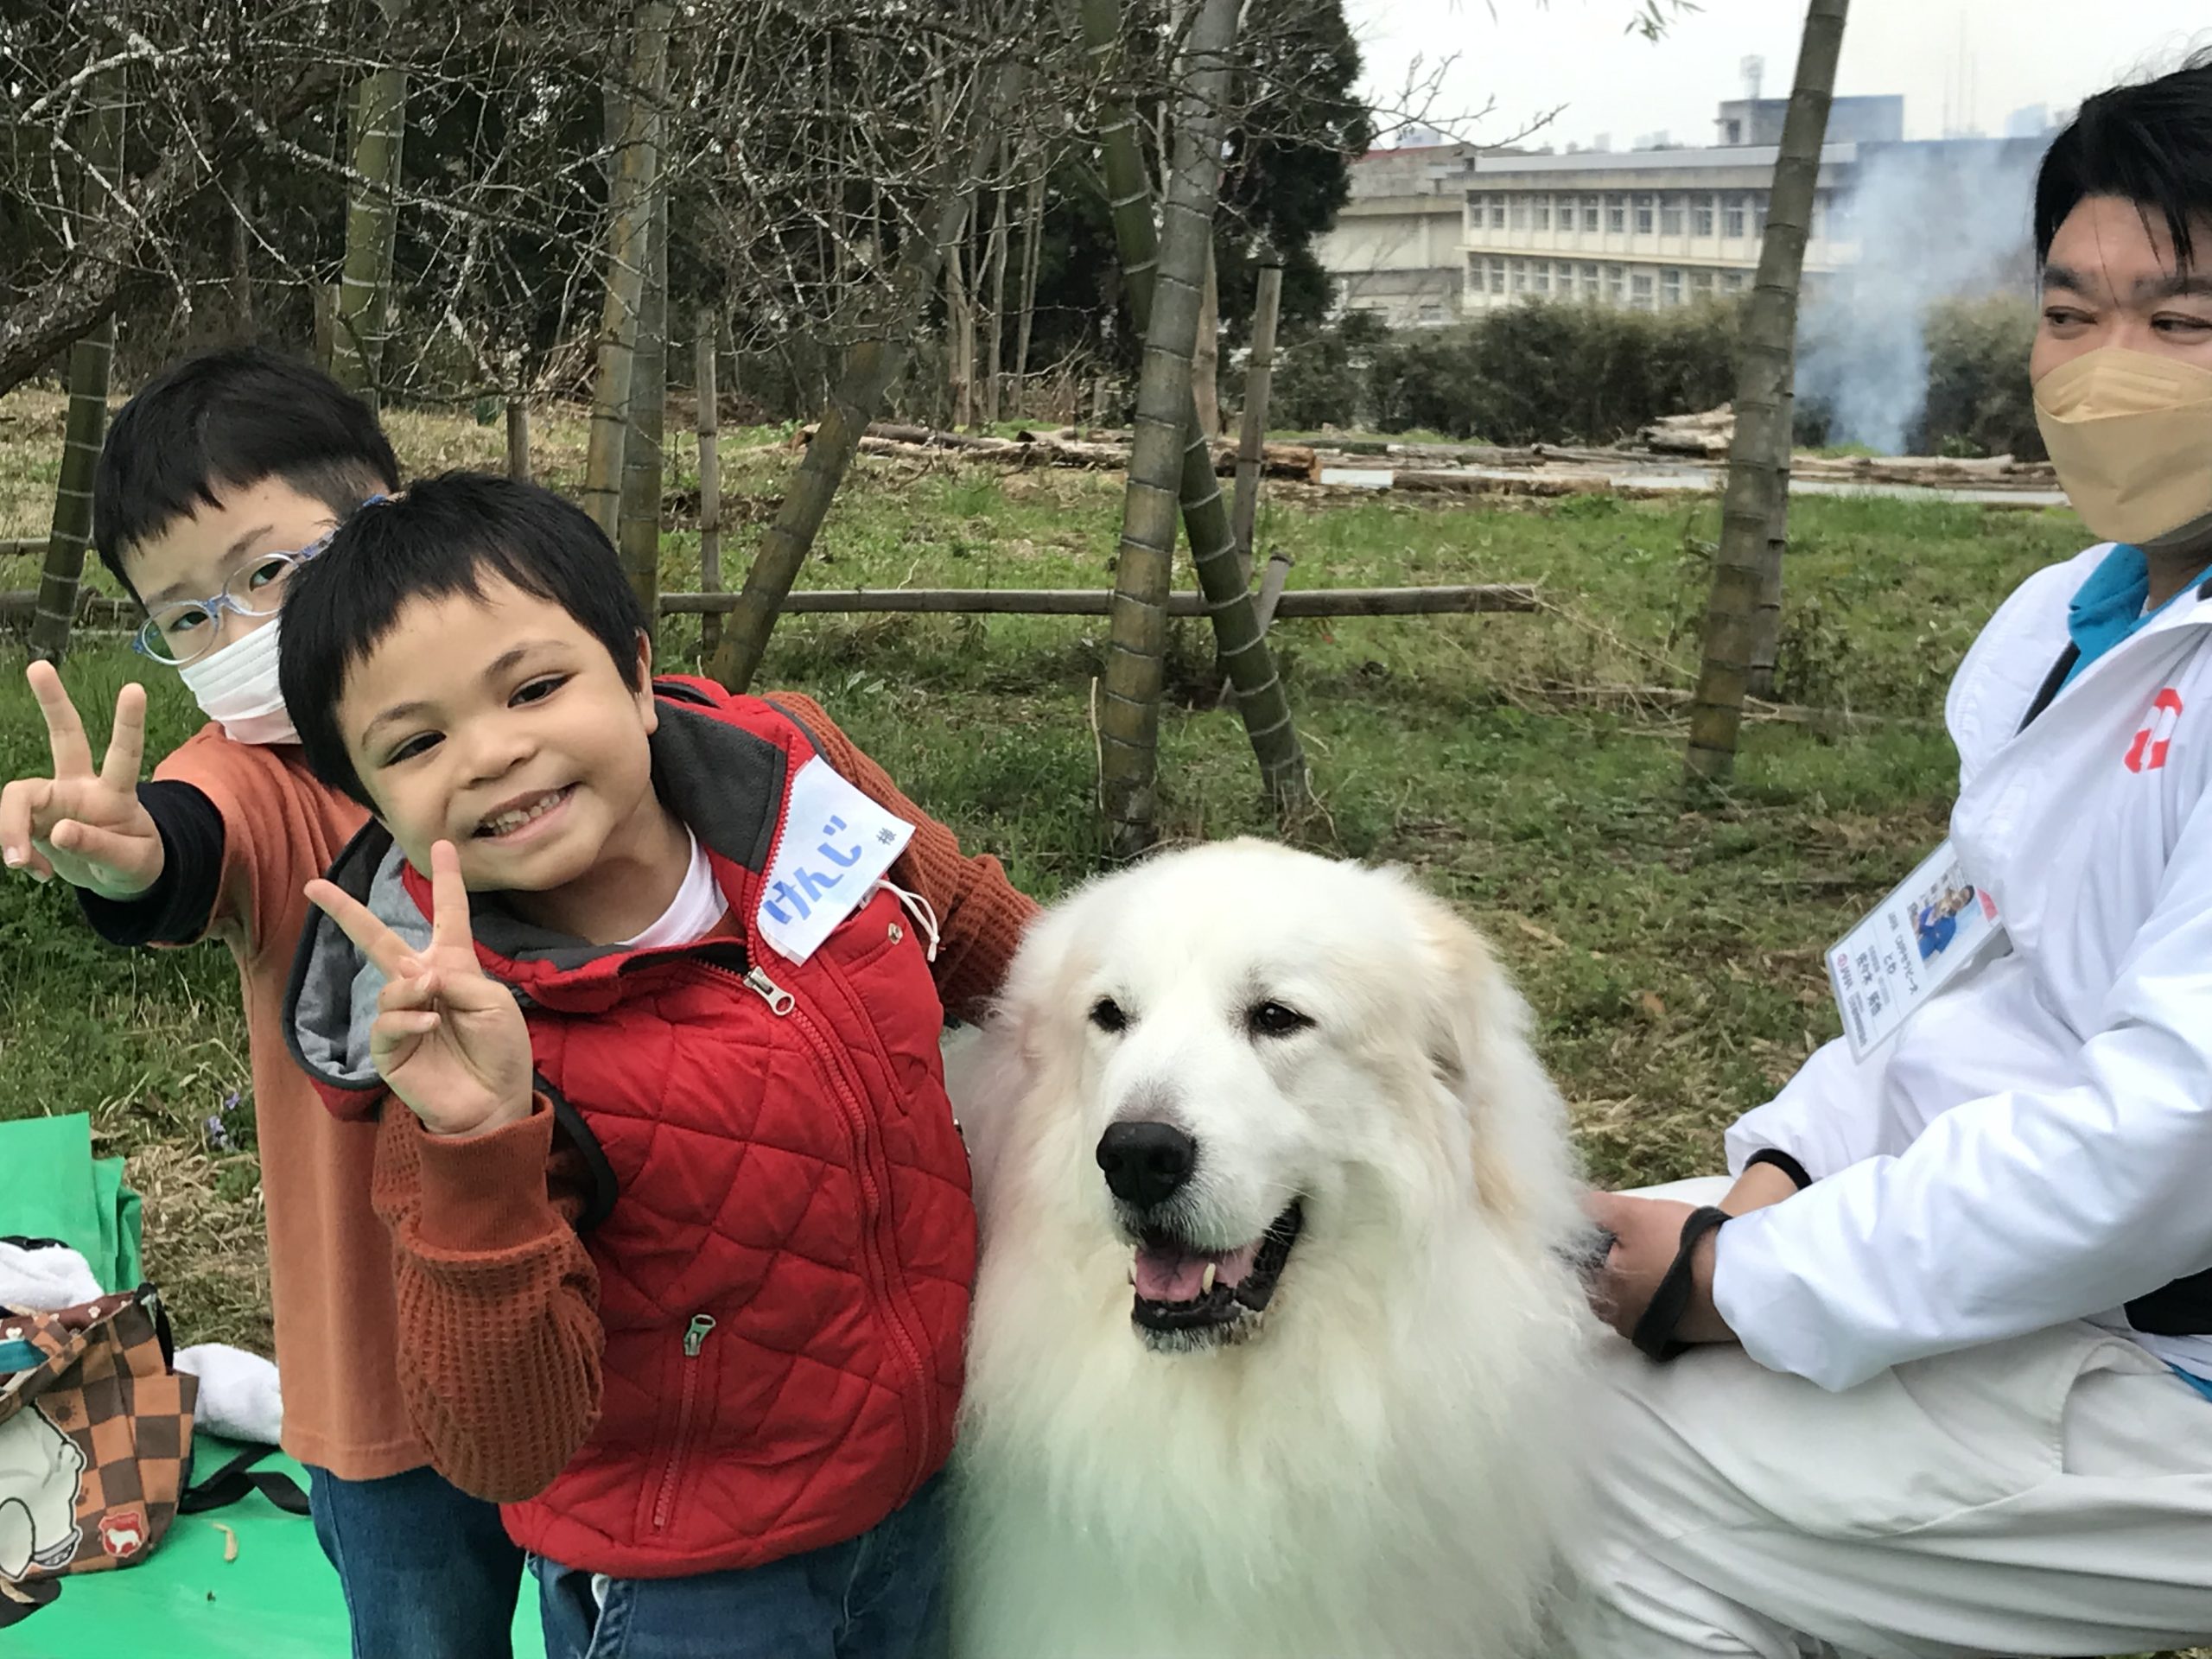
873	1597
429	1572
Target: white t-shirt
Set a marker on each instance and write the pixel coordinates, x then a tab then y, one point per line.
696	910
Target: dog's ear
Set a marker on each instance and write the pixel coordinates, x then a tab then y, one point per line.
1480	1049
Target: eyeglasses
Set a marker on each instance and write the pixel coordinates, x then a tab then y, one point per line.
184	630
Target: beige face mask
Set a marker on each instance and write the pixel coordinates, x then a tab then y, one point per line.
2131	435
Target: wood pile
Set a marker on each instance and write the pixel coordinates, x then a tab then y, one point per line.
1054	448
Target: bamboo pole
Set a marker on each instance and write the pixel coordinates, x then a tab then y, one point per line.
642	452
1766	614
1165	432
1259	377
630	194
519	439
869	369
362	324
1262	702
90	360
1761	443
1083	602
710	480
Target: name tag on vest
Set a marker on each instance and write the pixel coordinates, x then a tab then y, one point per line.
1931	926
836	842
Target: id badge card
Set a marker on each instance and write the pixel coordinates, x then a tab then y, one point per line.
1933	923
836	844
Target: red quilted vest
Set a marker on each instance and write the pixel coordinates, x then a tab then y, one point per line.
784	1267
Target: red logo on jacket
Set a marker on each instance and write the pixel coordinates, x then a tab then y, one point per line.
2148	752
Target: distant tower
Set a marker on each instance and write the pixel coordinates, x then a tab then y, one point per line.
1754	72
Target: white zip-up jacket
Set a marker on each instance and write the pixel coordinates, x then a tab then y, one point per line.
2035	1145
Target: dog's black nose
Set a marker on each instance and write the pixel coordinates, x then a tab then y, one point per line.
1145	1163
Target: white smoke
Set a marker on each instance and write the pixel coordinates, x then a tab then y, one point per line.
1932	222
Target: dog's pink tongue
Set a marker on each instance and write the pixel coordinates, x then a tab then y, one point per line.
1166	1273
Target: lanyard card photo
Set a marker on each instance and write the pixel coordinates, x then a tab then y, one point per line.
1932	924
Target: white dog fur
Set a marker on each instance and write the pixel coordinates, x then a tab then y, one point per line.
1383	1464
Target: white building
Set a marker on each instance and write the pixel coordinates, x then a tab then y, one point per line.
1397	246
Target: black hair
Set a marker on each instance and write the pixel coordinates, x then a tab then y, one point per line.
446	536
228	420
2150	144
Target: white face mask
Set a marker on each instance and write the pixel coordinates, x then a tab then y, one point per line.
235	686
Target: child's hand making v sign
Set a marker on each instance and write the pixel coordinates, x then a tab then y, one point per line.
448	1039
87	827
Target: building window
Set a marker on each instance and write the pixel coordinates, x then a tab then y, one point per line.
1701	284
1565	280
1732	281
1520	276
1758	214
1646	214
1615	275
1543	212
1589	282
1432	312
1520	212
1670	215
1733	218
1474	211
1617	214
1670	287
1639	289
1817	230
1702	216
1497	275
1590	214
1544	282
1497	212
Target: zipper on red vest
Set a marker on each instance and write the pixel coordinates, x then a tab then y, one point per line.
784	1005
694	1337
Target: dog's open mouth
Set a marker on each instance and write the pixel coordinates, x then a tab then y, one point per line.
1188	1295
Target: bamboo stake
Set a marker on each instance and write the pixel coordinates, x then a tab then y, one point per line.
642	452
1761	443
1083	602
710	480
363	321
519	439
629	200
1259	377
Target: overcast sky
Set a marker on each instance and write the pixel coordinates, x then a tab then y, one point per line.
1977	60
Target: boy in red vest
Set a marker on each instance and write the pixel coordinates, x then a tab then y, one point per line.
680	1220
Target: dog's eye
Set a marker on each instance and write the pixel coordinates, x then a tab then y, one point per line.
1274	1020
1106	1015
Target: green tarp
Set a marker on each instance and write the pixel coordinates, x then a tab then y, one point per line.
279	1599
51	1187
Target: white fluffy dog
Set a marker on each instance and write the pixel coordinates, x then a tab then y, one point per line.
1277	1340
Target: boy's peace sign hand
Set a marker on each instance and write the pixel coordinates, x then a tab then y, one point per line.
448	1039
87	827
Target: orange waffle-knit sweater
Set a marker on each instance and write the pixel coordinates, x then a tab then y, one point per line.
497	1292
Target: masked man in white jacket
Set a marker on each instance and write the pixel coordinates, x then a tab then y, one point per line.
1944	1382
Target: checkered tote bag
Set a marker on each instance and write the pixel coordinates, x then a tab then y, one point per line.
95	1437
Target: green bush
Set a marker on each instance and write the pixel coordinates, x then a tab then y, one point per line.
1978	399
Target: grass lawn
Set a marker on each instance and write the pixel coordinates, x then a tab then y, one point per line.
1673	957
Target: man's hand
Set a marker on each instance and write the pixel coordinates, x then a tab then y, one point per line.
448	1039
1647	1235
87	827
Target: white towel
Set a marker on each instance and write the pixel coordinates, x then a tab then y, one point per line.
44	1279
238	1395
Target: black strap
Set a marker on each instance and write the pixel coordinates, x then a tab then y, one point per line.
1783	1161
1654	1331
2052	682
235	1479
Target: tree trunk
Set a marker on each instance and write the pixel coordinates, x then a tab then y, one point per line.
240	192
869	369
1259	378
1261	701
87	424
379	134
1033	237
641	442
994	260
1766	616
630	196
1761	445
1206	358
960	328
1164	438
710	480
